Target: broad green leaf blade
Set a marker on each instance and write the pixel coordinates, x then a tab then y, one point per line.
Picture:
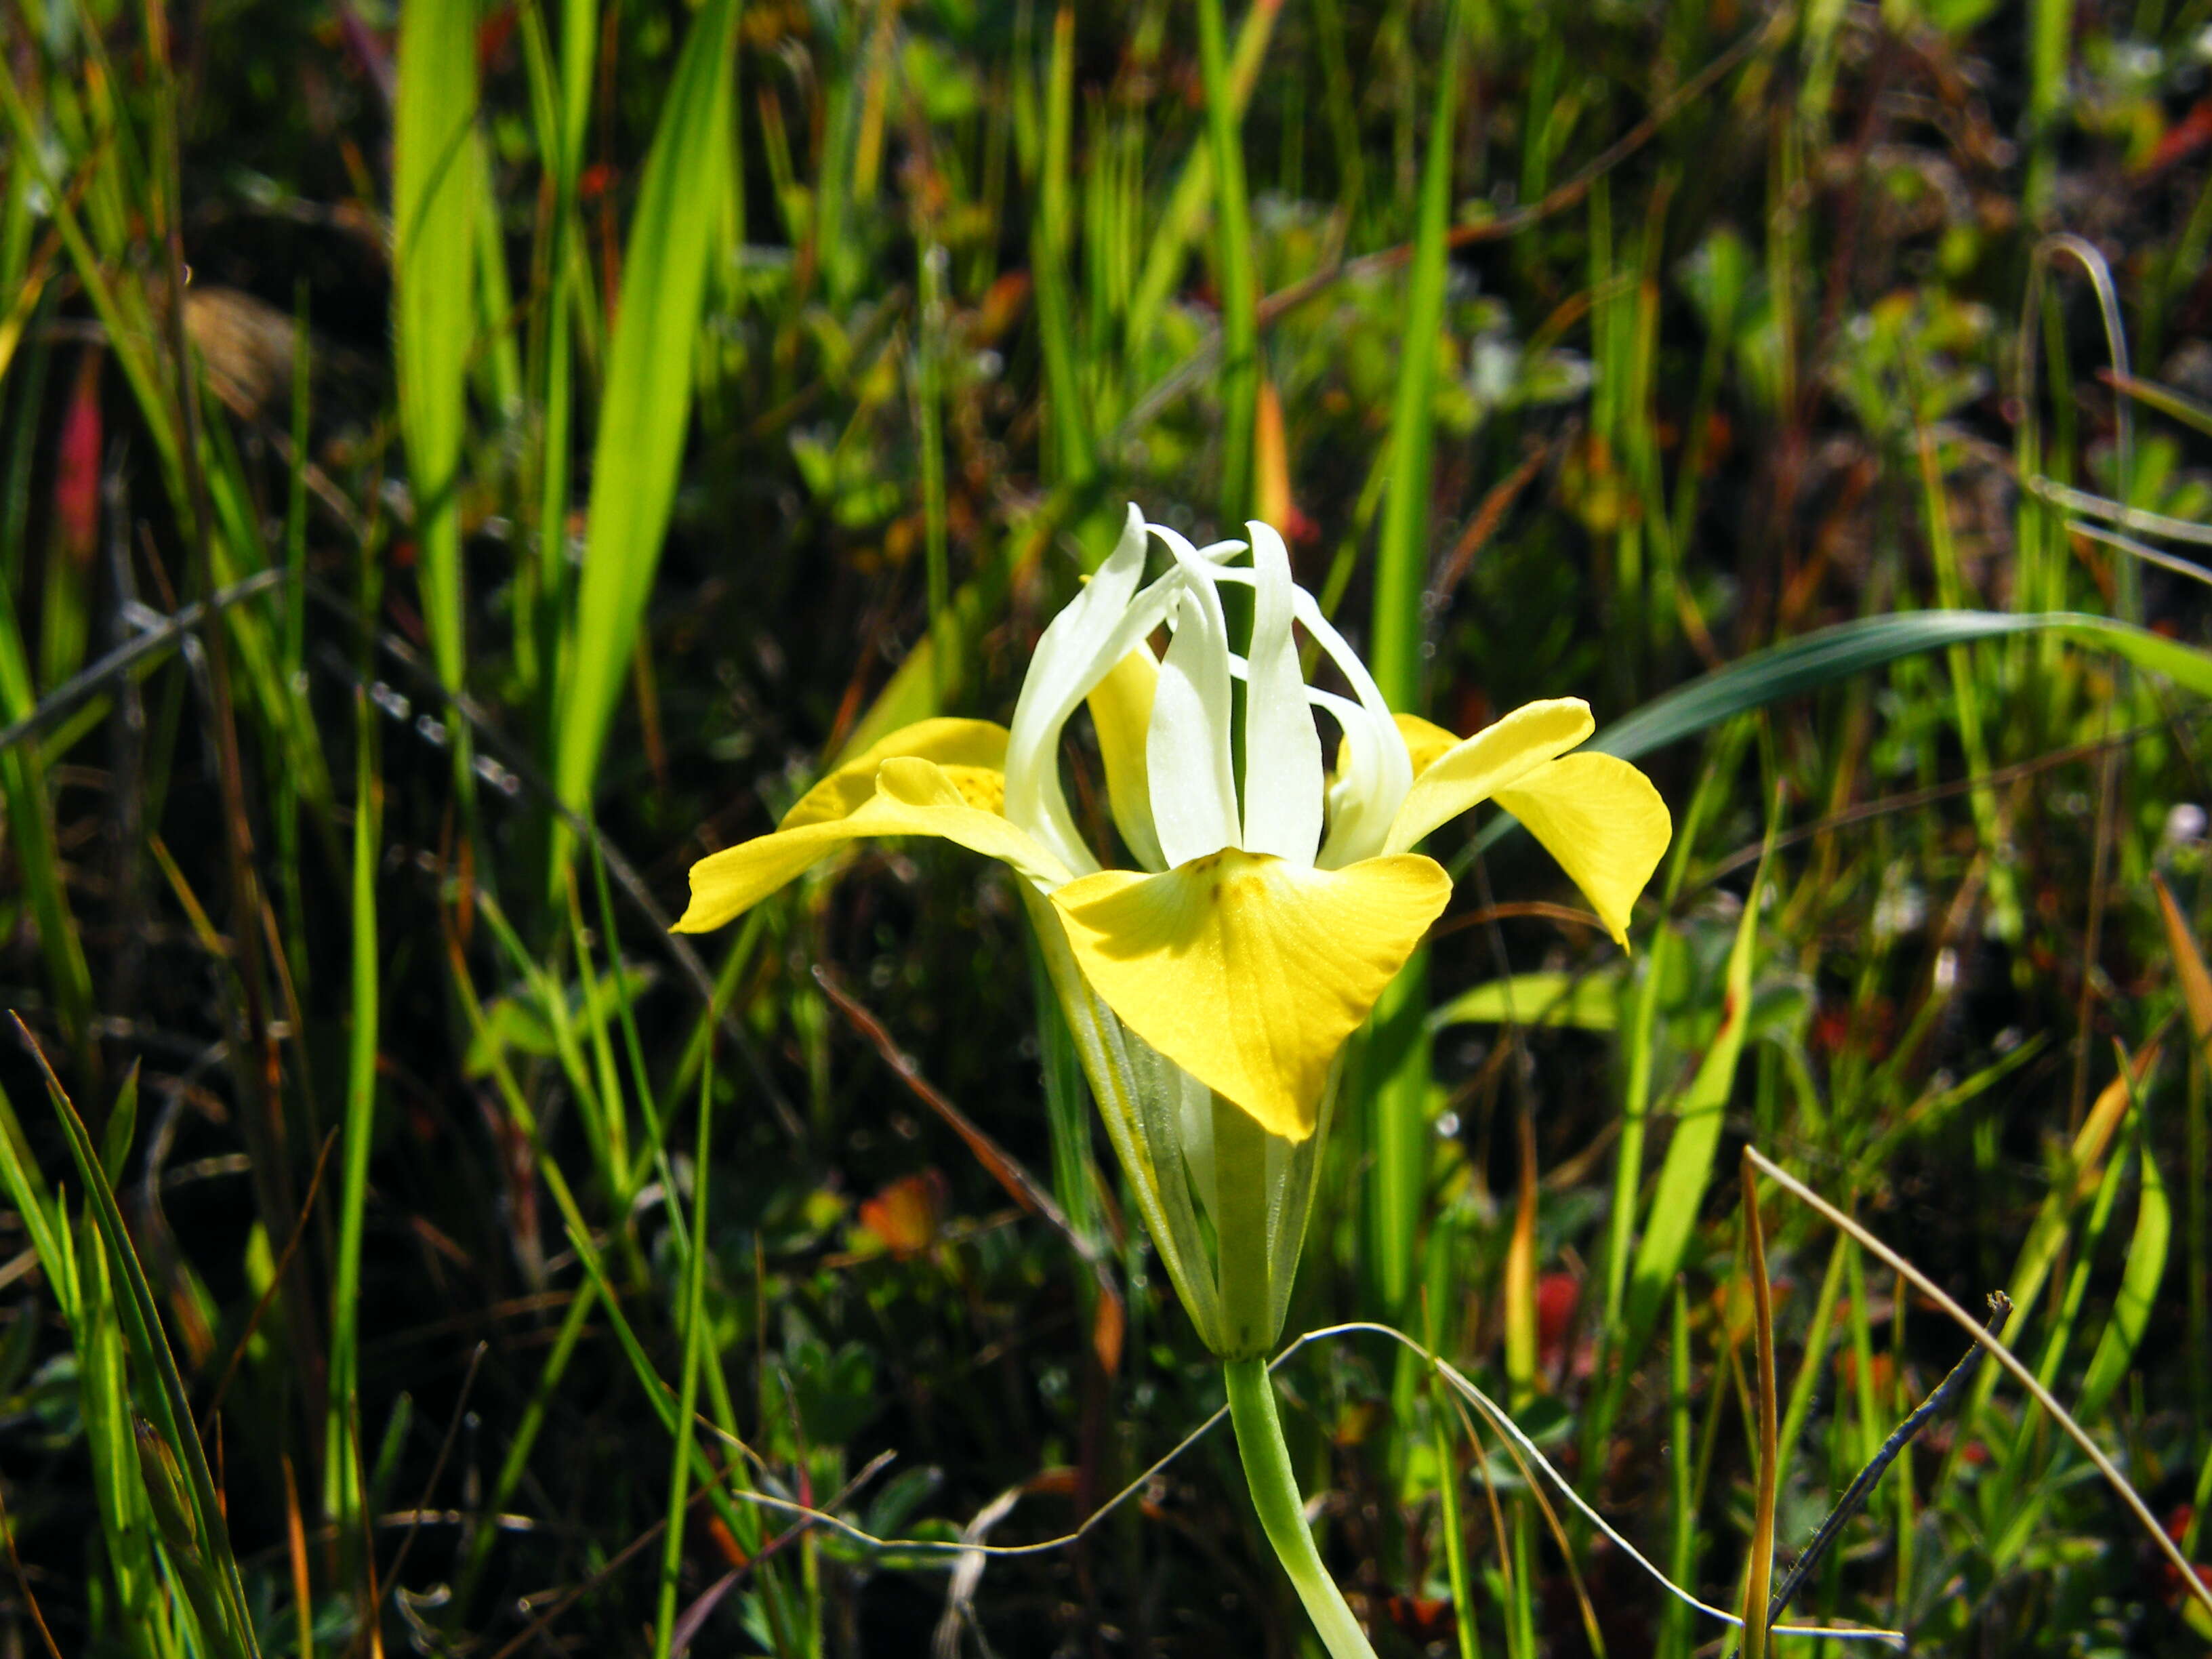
1835	654
433	196
647	403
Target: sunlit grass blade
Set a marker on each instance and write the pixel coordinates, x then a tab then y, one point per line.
1183	221
646	407
30	828
1396	1065
1074	446
122	307
1232	220
2075	1180
434	202
342	1472
2136	1297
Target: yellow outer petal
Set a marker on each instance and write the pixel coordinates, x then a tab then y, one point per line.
1472	772
912	796
1248	971
1426	743
961	804
947	741
1604	822
1122	710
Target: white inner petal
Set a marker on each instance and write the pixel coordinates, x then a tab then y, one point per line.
1074	654
1282	751
1187	747
1378	771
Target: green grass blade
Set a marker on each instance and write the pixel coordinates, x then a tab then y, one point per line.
2076	1177
647	401
1403	556
1240	321
166	1404
694	1325
30	825
2165	399
1074	445
43	1218
1397	1068
1687	1169
433	199
341	1475
1181	225
2138	1291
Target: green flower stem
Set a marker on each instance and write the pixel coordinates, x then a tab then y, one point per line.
1243	1265
1282	1512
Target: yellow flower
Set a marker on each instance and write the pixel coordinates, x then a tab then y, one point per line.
1262	922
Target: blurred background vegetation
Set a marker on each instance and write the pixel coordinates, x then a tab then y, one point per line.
460	464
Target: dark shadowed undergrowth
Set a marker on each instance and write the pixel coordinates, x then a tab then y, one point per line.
460	464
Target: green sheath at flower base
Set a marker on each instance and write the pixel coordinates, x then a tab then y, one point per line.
1210	988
